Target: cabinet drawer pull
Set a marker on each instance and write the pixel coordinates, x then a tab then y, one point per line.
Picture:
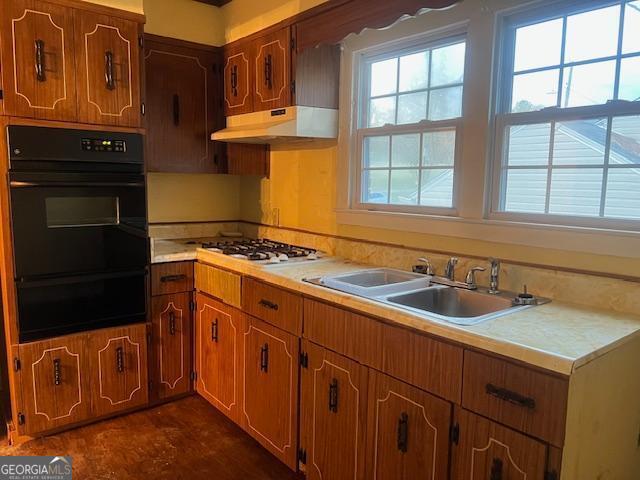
172	323
214	331
333	396
234	80
268	71
264	358
496	469
511	397
268	304
108	70
173	278
176	109
120	359
41	76
403	432
57	374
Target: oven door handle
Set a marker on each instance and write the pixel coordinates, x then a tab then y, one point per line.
31	282
20	184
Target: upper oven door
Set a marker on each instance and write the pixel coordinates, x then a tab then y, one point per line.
77	223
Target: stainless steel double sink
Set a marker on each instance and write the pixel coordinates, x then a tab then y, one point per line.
416	293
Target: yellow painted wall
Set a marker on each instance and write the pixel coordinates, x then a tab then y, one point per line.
186	20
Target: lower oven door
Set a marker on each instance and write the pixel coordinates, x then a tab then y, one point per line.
53	307
77	223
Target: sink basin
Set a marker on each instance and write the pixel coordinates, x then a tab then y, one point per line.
376	282
463	307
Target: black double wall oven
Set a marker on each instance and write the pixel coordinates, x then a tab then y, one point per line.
80	236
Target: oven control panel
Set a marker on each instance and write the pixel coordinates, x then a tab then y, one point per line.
104	145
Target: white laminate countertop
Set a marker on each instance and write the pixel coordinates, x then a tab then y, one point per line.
559	337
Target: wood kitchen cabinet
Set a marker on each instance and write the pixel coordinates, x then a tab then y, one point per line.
56	384
108	69
219	347
333	402
118	366
273	70
270	400
37	38
171	345
407	432
485	450
238	75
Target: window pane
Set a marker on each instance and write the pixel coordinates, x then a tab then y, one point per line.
623	193
534	91
439	148
404	187
384	77
382	111
445	103
376	152
405	150
631	39
437	188
414	71
630	78
576	191
526	191
412	107
590	84
592	34
580	142
529	144
538	45
375	186
626	137
447	65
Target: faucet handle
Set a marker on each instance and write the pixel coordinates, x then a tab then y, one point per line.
471	277
426	269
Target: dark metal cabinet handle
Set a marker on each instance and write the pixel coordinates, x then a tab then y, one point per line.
40	72
108	70
172	323
234	80
333	396
268	71
511	397
268	304
176	110
173	278
120	359
264	358
214	331
57	374
496	469
403	433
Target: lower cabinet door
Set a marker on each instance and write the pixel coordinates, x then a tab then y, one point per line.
408	432
270	400
55	388
171	322
218	335
333	415
487	450
118	358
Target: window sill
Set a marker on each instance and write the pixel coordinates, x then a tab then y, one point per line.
558	237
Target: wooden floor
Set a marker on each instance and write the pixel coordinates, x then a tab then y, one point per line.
186	439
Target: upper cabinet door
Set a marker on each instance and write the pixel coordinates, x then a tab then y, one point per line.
108	66
41	82
181	108
272	66
238	79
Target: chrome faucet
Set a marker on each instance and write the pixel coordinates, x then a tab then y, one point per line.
424	267
494	281
450	269
471	277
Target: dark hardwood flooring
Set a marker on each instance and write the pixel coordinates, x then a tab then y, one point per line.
185	439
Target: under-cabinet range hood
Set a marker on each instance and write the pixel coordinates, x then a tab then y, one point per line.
289	124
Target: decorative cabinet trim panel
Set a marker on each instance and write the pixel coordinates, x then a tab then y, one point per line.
238	80
273	71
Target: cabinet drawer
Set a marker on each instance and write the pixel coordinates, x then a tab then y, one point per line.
273	305
527	400
219	283
416	359
175	277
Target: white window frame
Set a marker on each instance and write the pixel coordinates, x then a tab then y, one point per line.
503	119
361	96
